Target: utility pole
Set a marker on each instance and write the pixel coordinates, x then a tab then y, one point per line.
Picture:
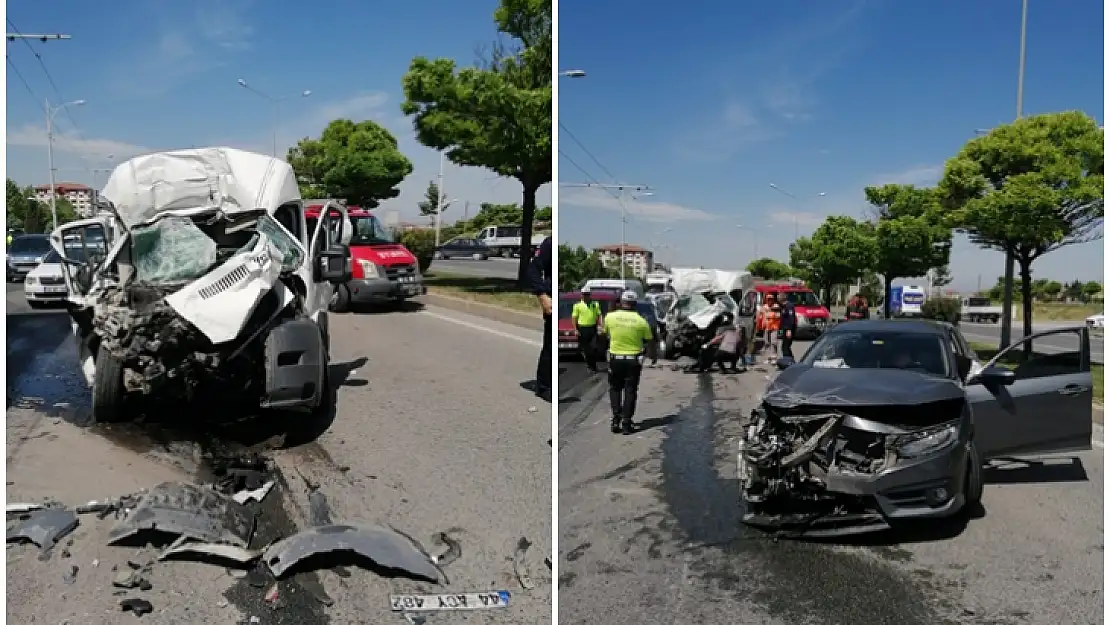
50	113
1008	292
439	196
41	37
621	190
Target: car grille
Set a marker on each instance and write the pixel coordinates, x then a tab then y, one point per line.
401	273
52	280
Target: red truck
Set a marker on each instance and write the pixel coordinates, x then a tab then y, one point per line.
382	270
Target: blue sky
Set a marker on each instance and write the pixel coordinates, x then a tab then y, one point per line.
710	107
162	75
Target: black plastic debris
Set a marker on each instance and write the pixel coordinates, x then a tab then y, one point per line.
43	527
384	547
138	606
520	565
70	576
454	549
241	473
183	509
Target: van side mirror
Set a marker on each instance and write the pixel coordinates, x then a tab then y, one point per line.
333	265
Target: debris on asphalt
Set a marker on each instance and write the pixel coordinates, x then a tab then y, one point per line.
242	473
319	512
385	547
415	619
520	565
21	508
70	576
183	509
128	579
258	578
102	509
138	606
311	584
272	598
215	551
454	550
453	601
257	494
43	527
547	561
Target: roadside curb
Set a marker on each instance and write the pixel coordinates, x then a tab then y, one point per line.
1097	414
487	311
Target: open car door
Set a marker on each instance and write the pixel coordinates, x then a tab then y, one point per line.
83	246
333	229
1045	407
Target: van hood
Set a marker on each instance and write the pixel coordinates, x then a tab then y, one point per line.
385	254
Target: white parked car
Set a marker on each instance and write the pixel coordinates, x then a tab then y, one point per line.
1096	321
45	284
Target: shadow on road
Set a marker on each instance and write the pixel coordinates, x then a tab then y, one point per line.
487	285
656	422
406	306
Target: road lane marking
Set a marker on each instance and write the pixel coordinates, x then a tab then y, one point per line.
486	329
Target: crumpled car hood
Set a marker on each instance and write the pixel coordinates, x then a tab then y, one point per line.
802	385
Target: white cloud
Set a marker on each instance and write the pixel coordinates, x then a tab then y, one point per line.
31	136
919	175
642	210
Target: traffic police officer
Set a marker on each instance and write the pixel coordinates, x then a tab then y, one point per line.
586	315
629	333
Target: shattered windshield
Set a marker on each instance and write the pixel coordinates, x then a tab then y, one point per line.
172	249
920	352
369	230
292	256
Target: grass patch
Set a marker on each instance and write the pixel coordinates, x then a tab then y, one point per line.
1043	311
503	292
986	351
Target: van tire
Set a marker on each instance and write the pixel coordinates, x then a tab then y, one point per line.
108	394
341	303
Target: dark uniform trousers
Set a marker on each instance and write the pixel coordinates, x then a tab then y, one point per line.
543	367
587	342
786	349
624	382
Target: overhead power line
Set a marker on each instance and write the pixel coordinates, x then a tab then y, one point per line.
587	152
45	70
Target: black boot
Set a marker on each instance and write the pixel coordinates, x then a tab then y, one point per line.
626	427
615	425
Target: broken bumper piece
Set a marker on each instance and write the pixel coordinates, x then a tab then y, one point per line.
384	547
196	512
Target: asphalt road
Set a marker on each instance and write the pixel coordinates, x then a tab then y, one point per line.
423	440
649	531
491	268
991	332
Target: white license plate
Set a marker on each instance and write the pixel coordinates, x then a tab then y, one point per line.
53	289
460	601
569	345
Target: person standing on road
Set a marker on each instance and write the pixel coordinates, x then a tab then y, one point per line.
629	333
539	274
771	312
788	324
857	308
587	316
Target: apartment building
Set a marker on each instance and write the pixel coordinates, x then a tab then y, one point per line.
636	258
82	197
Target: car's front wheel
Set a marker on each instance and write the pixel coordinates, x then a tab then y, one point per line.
340	299
973	481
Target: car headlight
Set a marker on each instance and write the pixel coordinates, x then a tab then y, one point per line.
928	441
369	269
29	280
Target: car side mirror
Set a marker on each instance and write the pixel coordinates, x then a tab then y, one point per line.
963	366
996	376
784	363
333	265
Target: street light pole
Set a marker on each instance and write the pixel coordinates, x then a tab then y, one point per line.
1008	292
50	113
793	216
620	189
304	94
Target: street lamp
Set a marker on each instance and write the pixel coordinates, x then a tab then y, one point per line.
302	94
50	113
795	198
573	73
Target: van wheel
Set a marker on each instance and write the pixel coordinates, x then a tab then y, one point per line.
108	394
341	299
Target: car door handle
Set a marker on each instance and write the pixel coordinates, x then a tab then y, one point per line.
1071	389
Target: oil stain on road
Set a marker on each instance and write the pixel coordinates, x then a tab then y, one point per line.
798	582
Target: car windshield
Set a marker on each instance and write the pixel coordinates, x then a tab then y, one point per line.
565	306
30	245
920	352
369	230
803	298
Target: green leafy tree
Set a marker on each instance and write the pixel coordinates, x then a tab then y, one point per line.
1029	188
422	244
1073	290
841	250
577	264
1091	290
803	254
497	116
911	236
769	269
1052	290
17	204
433	201
359	162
